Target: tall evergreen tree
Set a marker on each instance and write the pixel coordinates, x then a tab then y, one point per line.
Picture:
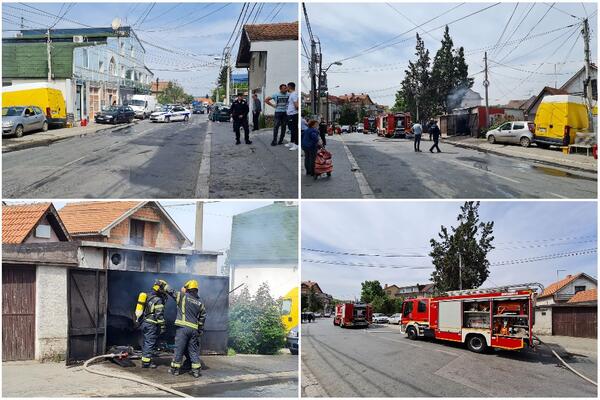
414	94
443	73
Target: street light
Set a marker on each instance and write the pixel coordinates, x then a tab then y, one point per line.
327	93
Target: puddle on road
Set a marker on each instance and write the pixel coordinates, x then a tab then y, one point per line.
271	388
560	173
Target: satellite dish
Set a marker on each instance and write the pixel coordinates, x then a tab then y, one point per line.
116	24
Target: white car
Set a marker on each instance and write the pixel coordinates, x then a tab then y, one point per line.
380	318
170	113
345	128
517	132
395	319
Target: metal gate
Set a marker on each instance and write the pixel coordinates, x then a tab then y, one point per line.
125	286
574	321
86	295
18	312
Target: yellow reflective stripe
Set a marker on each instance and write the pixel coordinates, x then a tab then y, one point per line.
146	359
175	365
151	321
183	309
159	306
196	366
179	322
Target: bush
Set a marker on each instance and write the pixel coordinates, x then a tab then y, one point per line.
255	325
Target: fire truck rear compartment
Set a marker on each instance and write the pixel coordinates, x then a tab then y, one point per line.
509	317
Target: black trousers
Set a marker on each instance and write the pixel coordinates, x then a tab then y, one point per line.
436	140
186	339
310	155
150	334
323	138
280	123
255	117
417	142
241	123
293	125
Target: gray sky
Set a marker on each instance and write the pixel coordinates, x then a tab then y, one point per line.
347	29
521	229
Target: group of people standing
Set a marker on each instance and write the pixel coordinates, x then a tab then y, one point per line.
434	134
285	103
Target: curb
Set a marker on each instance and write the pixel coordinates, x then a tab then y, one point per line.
240	378
499	153
48	141
310	385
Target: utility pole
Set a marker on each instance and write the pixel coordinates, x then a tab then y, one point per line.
459	271
22	23
486	84
228	67
199	225
313	76
49	55
588	79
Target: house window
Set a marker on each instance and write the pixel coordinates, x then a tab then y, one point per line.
101	66
122	72
136	232
579	289
132	52
167	263
112	67
134	261
595	89
150	262
85	58
42	231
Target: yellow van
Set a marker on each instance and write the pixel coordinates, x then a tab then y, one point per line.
289	318
558	118
42	95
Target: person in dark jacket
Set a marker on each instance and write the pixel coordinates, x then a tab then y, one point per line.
150	315
256	110
310	142
239	114
323	131
435	132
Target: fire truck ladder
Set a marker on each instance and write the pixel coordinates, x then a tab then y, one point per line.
506	288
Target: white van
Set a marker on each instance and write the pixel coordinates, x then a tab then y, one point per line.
143	105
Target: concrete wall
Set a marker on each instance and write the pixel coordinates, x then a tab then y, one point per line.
51	317
281	278
543	321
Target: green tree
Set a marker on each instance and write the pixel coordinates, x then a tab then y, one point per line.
414	95
223	77
314	302
348	115
472	239
378	304
400	103
173	93
371	290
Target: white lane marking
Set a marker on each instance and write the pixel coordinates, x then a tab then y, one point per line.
557	195
204	172
482	170
363	185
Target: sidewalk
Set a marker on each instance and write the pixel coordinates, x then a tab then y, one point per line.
533	153
37	139
573	345
34	379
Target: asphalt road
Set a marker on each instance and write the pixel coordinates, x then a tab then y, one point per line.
380	362
391	169
153	161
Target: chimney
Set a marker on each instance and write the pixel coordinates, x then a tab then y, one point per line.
385	286
568	276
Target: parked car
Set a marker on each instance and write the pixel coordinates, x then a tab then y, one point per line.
170	113
379	318
395	319
19	120
318	315
291	340
115	115
221	114
345	128
198	109
517	132
42	95
327	314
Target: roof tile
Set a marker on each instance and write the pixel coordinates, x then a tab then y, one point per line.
584	296
93	216
556	286
265	32
19	220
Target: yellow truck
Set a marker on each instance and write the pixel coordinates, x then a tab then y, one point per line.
40	94
289	318
558	118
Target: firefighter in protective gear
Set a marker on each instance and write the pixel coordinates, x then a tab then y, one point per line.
149	312
190	325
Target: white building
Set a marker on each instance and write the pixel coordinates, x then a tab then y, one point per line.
264	248
270	53
470	99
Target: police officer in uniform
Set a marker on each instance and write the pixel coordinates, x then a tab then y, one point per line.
150	313
190	326
239	114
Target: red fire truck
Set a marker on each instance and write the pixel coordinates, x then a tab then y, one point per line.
369	125
501	317
396	125
353	314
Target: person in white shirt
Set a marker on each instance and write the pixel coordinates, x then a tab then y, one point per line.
292	115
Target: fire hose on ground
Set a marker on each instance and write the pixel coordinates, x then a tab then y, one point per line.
565	364
129	378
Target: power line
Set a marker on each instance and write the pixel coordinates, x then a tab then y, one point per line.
192	21
45	13
362	254
507	24
517	27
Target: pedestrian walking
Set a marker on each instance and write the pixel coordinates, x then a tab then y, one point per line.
292	115
417	131
435	132
323	131
310	143
256	110
239	114
280	106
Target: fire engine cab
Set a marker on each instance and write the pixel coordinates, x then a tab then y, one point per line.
369	125
501	317
397	125
353	314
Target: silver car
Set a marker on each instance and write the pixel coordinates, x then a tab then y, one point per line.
517	132
18	120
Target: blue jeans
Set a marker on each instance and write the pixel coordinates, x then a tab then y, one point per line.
280	120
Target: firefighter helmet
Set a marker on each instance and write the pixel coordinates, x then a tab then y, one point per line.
159	285
191	284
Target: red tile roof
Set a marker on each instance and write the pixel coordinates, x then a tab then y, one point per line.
266	32
19	220
556	286
584	296
93	216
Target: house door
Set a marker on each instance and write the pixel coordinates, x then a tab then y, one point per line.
574	321
18	312
78	103
86	298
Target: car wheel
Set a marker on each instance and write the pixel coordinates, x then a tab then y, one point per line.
19	131
167	119
294	352
476	343
45	126
186	118
411	333
525	142
491	139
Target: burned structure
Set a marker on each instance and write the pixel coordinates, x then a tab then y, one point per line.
71	278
